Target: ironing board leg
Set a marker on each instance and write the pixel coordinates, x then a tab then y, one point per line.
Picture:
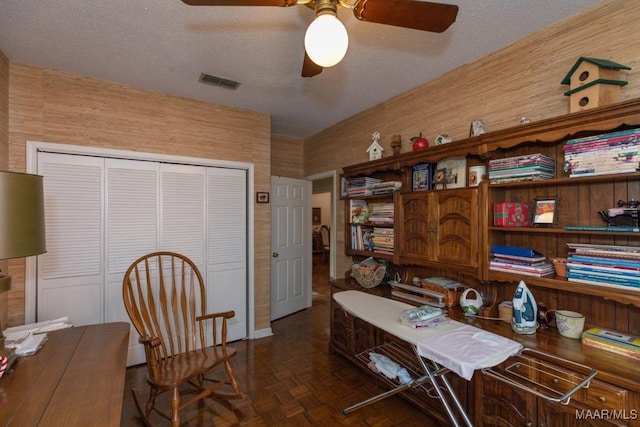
451	392
377	398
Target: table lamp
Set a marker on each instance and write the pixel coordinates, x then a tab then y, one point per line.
21	224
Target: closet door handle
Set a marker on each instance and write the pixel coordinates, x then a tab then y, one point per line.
275	254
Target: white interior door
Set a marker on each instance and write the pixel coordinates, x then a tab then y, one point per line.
290	246
71	274
226	273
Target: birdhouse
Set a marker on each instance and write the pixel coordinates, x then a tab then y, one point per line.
375	149
593	82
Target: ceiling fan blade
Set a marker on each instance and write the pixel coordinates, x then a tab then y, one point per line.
419	15
310	68
283	3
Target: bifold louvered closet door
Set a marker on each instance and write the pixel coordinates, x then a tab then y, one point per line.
103	213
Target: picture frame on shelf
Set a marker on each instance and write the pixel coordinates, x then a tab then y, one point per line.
545	212
455	172
343	187
421	177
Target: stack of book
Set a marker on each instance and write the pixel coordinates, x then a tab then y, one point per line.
381	213
606	265
529	167
382	240
361	237
386	187
361	186
616	152
519	260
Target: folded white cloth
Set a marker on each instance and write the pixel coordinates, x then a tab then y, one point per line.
467	348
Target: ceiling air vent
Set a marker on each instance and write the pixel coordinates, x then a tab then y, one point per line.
218	81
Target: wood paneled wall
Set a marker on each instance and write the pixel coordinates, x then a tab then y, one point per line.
51	106
522	79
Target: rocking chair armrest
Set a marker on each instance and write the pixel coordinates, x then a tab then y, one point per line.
151	342
224	314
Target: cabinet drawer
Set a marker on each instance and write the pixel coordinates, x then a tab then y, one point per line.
602	395
557	379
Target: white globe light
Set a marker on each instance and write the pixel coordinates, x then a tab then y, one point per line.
326	40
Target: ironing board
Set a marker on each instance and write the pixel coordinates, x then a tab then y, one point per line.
441	346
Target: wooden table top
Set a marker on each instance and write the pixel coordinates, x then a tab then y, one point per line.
76	378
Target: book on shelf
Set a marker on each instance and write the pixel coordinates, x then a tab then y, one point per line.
604	136
359	211
605	279
605	251
534	273
517	251
604	260
602	228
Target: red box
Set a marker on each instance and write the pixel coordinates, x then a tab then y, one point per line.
512	214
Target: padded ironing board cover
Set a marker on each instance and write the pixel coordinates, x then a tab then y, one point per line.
459	347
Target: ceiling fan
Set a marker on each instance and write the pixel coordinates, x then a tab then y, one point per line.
326	39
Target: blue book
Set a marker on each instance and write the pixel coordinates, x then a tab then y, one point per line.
602	260
515	251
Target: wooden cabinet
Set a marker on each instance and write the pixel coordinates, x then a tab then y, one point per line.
349	334
499	404
451	232
439	227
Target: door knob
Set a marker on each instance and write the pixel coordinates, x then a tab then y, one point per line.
275	255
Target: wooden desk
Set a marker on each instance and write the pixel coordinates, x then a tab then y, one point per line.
75	379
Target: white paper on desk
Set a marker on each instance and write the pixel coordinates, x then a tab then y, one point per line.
30	344
22	331
467	348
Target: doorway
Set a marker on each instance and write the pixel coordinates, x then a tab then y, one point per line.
323	231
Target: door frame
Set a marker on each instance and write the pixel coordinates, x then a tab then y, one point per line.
332	233
32	149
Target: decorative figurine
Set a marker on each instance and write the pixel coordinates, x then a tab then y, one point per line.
443	138
477	128
419	142
396	143
375	149
545	316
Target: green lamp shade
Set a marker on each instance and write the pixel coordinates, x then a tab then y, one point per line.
21	215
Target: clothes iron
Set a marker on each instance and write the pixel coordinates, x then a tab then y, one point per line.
525	311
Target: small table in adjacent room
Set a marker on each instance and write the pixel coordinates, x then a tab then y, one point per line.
75	379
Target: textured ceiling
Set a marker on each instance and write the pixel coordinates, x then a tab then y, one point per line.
164	45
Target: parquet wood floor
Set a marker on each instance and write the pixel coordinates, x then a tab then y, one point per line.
291	379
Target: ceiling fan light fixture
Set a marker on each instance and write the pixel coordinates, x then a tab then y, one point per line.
326	40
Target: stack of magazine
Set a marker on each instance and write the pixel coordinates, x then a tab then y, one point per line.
361	186
529	167
606	265
616	152
519	260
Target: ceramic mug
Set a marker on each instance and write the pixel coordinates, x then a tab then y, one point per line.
570	323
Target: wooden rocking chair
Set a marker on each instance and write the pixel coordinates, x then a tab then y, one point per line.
165	298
